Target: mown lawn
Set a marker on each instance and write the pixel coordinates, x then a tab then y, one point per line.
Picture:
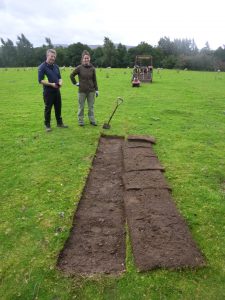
43	174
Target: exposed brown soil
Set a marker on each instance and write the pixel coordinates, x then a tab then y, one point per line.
97	240
159	235
142	159
137	180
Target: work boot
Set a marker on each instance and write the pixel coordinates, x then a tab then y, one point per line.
48	128
93	123
62	125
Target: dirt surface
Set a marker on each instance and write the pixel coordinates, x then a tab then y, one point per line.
159	235
97	240
126	181
142	159
144	179
137	144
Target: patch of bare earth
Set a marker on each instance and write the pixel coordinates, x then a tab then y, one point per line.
127	174
97	240
159	235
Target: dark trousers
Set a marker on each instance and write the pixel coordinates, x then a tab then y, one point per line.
50	99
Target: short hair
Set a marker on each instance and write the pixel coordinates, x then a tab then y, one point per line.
50	51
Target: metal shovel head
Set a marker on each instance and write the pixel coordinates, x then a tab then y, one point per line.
106	126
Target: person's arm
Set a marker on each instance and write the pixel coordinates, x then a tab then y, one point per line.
72	76
46	83
41	80
95	83
60	82
95	80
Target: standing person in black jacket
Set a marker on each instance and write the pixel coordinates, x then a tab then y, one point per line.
49	76
88	87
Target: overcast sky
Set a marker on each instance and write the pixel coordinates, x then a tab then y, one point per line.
123	21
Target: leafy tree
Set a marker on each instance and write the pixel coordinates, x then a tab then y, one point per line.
1	61
175	53
25	51
219	56
193	47
121	56
39	55
74	51
200	62
181	62
132	53
220	53
157	55
142	49
185	46
166	46
61	56
8	54
49	43
169	62
180	53
206	50
97	57
109	53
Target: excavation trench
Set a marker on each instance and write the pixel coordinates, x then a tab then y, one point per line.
126	182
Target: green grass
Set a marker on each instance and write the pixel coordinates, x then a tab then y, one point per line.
43	174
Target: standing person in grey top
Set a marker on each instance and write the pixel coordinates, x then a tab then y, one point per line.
88	87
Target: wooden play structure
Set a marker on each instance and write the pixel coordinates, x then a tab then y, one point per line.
143	69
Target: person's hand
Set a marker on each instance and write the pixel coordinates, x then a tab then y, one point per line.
55	85
77	84
96	93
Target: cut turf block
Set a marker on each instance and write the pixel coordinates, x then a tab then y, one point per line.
144	179
140	159
139	152
160	237
97	241
142	163
143	138
138	144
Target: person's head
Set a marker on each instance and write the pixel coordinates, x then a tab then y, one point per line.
85	58
50	56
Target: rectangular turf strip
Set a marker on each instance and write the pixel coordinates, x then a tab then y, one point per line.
159	235
142	159
97	241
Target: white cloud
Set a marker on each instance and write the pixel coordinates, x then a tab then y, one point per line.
128	22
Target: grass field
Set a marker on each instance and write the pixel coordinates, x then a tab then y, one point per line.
43	174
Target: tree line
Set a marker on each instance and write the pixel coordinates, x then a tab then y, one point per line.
179	54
